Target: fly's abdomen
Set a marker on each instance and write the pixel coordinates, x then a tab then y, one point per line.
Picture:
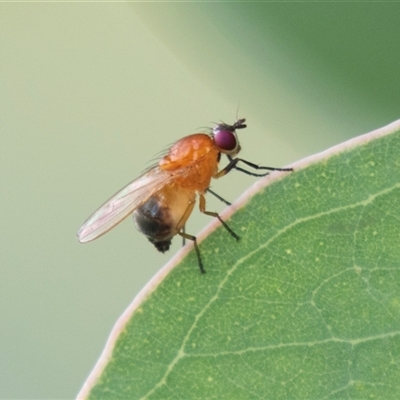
154	221
164	214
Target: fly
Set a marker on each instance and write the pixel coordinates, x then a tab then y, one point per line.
162	199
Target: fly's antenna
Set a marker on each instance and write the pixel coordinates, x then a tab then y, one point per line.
239	124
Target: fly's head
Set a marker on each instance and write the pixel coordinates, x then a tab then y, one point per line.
225	137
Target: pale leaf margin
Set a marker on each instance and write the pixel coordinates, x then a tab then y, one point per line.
226	214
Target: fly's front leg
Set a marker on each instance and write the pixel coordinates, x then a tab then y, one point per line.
233	165
214	214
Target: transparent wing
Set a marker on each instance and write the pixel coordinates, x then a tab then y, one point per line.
122	204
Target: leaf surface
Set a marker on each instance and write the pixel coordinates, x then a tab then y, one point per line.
305	305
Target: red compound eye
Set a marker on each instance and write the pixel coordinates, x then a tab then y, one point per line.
225	137
225	140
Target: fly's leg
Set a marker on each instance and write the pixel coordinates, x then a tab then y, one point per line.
183	219
214	214
183	237
219	197
233	165
196	247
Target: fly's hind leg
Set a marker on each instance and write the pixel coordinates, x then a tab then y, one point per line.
214	214
196	247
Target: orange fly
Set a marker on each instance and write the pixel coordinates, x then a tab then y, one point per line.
163	198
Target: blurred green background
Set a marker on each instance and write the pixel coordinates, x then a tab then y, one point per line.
91	92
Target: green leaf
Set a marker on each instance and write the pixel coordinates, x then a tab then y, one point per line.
306	305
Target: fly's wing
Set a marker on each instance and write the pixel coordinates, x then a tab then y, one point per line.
122	204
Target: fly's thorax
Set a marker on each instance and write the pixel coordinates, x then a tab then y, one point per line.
193	161
164	214
188	151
